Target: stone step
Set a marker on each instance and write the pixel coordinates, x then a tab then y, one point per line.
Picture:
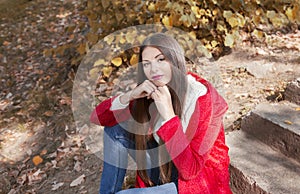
292	92
257	168
277	125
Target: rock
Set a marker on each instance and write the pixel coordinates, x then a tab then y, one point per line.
260	69
292	92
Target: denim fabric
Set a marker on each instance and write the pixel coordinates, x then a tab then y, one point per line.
117	146
169	188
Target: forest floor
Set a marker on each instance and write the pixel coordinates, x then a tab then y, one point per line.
41	150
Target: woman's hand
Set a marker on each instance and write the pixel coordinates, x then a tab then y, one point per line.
143	90
163	102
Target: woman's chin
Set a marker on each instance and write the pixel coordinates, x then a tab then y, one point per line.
159	83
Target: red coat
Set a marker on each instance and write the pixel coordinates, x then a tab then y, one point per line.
201	157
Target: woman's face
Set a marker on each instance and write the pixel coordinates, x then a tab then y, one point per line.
156	67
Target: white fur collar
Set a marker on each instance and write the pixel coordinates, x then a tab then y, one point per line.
195	89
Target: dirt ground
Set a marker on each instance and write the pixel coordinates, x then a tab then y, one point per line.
41	151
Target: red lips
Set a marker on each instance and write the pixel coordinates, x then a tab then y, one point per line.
157	77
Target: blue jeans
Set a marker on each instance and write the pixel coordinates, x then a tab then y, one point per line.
117	146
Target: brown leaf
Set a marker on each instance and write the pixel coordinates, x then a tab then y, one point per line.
37	160
66	101
6	43
43	152
49	113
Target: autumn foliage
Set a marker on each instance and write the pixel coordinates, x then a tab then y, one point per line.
218	24
215	22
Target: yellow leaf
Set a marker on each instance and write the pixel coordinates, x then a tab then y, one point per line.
107	71
129	37
208	13
166	21
258	34
109	39
233	22
175	19
37	160
214	43
215	12
122	40
151	7
185	20
297	109
229	40
134	60
141	38
99	62
221	28
288	122
195	10
117	61
202	12
292	13
227	14
256	20
241	20
193	34
94	73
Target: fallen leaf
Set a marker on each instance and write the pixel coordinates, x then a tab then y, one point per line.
6	43
288	122
229	40
37	160
117	61
35	177
77	181
49	113
56	186
297	109
134	60
21	179
43	152
66	101
99	62
107	71
12	191
4	104
77	166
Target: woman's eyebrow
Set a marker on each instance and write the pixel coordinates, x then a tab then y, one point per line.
158	55
154	57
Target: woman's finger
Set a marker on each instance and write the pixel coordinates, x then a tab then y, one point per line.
150	84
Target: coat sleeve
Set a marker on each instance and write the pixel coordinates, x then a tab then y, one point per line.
190	150
102	115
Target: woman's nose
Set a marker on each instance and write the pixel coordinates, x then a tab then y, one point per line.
154	67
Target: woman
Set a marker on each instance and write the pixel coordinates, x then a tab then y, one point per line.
174	122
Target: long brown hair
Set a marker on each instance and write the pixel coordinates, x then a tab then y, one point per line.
173	52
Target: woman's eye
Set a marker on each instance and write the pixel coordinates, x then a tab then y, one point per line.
146	64
161	59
